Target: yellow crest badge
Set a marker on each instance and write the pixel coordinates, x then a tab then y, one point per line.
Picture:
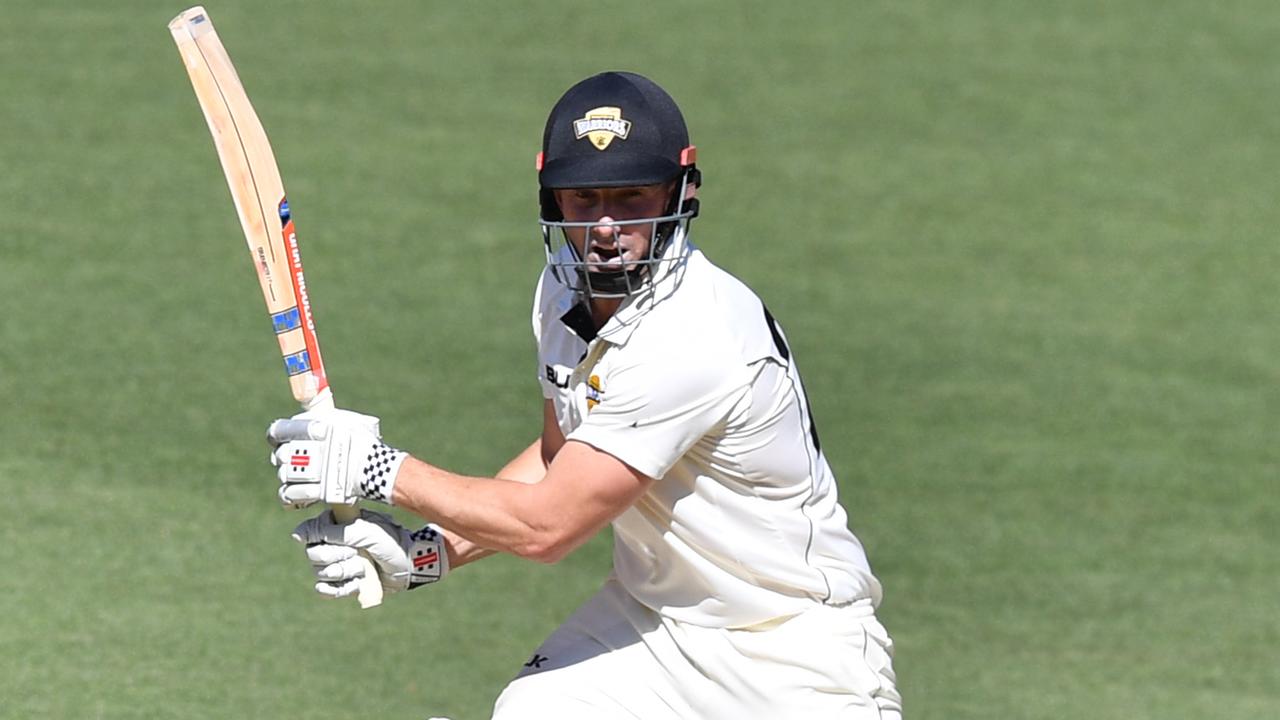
601	126
594	393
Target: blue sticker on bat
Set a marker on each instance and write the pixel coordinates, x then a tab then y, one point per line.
284	212
287	320
297	363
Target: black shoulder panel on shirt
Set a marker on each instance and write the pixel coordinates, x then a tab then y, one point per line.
578	319
781	344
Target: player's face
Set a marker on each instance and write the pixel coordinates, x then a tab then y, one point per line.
613	244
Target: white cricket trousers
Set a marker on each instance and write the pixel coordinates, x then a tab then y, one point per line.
615	658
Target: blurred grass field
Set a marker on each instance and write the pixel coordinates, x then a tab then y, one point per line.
1025	253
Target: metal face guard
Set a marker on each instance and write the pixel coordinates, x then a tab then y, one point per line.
667	247
606	280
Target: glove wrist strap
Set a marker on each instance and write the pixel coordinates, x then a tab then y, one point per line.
427	555
378	474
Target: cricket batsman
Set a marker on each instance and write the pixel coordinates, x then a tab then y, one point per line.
673	411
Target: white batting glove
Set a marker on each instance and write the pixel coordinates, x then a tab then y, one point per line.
405	560
333	456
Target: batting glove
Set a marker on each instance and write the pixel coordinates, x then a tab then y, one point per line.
335	456
405	560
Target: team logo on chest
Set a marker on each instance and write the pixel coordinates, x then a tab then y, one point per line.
594	394
601	126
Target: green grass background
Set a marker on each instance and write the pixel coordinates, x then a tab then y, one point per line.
1025	252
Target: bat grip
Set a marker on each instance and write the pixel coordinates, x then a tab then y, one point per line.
370	594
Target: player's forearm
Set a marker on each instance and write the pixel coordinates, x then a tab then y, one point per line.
488	513
462	551
528	467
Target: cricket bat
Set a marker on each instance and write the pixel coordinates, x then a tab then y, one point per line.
259	197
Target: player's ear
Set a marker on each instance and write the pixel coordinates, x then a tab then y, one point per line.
690	191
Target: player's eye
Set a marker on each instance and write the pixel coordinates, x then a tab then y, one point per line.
638	199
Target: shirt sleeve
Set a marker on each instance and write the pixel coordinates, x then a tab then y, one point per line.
649	414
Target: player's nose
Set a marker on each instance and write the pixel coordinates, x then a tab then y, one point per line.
604	230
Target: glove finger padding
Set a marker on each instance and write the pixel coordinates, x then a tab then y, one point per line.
316	425
300	456
295	428
374	534
404	560
323	554
335	563
379	537
336	457
299	464
352	568
337	591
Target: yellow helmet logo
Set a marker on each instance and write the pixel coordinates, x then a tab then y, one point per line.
601	126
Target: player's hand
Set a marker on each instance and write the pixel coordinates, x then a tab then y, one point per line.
405	560
333	456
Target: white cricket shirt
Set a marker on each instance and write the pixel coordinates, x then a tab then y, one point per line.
692	383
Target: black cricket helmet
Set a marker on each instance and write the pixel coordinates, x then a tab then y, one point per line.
616	129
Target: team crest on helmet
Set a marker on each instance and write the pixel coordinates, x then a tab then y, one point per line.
601	126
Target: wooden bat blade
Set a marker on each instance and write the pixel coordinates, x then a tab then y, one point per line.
258	193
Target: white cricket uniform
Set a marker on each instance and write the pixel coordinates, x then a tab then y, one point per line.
738	590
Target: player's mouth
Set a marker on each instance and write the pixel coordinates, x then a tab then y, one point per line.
607	258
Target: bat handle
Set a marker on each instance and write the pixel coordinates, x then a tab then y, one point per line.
370	594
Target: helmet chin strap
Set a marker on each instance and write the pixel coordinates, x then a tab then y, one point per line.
619	283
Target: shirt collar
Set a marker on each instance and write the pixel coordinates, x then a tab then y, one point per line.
619	327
